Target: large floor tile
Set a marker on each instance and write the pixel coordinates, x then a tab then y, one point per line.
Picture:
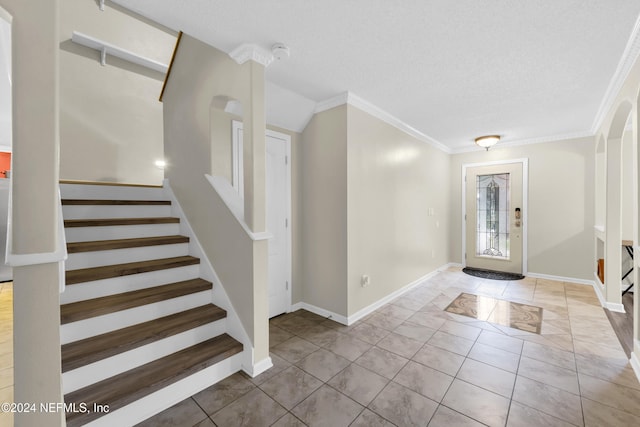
414	331
327	407
451	343
477	403
424	380
358	383
382	362
501	341
523	416
554	356
403	407
564	379
254	409
323	364
348	347
488	377
597	415
440	359
294	349
288	420
185	413
614	395
445	417
290	386
550	400
400	345
370	419
221	394
495	357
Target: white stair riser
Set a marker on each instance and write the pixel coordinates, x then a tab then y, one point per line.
98	371
154	403
133	282
117	211
88	234
82	329
121	256
110	192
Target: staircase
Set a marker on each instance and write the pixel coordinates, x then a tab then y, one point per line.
139	330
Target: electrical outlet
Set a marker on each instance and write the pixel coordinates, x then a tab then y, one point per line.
365	281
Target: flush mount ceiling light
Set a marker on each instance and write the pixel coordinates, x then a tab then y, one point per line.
487	141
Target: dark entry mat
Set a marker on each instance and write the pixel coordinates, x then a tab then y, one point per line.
494	275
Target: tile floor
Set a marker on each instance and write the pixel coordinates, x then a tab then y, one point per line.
413	364
6	349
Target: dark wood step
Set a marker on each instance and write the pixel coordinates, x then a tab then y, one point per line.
104	245
108	222
129	386
108	184
117	270
90	350
101	202
80	310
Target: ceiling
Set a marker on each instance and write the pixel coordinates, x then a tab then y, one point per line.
452	71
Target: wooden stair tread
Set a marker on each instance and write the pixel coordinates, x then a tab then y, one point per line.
89	350
103	245
107	183
136	383
117	270
86	309
107	222
105	202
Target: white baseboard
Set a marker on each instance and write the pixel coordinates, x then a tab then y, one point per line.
320	312
560	278
452	264
350	320
258	368
393	295
611	306
635	361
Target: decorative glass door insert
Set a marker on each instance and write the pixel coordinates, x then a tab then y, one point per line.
492	215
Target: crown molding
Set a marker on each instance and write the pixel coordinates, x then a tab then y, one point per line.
253	52
629	57
529	141
330	103
367	107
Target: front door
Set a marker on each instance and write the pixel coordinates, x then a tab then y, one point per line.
494	217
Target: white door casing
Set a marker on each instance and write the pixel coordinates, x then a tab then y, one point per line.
278	201
517	170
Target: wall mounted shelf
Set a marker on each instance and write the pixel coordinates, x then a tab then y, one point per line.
108	49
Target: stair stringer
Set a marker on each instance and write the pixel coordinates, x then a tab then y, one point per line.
220	297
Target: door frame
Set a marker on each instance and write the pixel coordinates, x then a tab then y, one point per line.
237	166
525	205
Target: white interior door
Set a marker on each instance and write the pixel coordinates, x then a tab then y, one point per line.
495	216
277	224
278	195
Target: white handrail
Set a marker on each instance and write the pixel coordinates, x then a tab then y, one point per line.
59	255
235	205
108	49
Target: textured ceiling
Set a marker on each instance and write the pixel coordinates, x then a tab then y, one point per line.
452	70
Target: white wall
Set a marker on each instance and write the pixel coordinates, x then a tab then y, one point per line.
110	117
561	204
393	181
324	211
